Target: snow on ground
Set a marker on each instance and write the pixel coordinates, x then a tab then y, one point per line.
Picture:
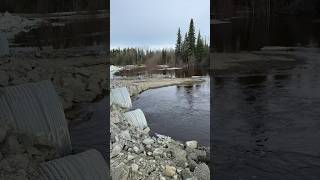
113	70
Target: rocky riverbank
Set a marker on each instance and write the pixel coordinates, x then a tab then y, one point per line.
79	74
21	154
76	79
135	154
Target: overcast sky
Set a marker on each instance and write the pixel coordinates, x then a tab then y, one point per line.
154	23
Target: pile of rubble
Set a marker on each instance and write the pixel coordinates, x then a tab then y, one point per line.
77	80
135	154
21	155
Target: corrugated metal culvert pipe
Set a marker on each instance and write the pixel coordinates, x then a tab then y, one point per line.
121	97
89	165
136	118
35	109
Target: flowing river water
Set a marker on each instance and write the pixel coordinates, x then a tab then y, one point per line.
266	125
181	111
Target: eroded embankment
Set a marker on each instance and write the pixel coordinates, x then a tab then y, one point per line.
137	155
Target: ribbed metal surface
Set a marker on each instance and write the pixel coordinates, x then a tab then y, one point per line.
35	109
136	118
83	166
121	97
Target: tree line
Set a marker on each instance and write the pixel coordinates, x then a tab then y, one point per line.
49	6
139	56
258	8
190	50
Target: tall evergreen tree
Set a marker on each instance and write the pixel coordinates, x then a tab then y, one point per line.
199	50
178	50
185	48
191	38
178	44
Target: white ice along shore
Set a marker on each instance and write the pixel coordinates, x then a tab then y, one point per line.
134	154
113	70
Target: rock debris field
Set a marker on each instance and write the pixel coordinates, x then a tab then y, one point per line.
135	154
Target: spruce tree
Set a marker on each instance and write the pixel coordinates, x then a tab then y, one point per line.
185	48
191	38
178	50
199	50
178	44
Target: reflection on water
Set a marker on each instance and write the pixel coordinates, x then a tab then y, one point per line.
61	35
266	126
245	34
182	112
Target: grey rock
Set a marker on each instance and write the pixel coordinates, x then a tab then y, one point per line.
192	144
4	78
3	133
126	135
180	155
116	149
14	145
134	167
136	149
120	172
130	157
148	141
158	151
186	173
202	172
146	130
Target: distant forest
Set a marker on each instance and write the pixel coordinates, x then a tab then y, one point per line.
47	6
228	8
190	50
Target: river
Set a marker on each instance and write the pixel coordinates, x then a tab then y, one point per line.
181	111
266	125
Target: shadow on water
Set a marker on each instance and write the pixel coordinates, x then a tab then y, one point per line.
266	125
247	34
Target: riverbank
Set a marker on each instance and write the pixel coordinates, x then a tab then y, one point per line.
79	76
260	61
137	86
137	155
